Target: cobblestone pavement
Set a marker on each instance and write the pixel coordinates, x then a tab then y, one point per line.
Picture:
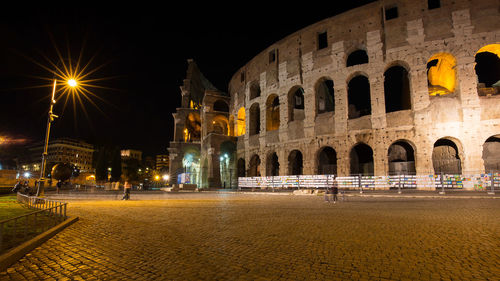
265	237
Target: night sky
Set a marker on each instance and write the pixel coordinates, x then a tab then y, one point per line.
141	52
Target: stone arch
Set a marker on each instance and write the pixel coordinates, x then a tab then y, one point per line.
240	122
254	169
272	164
325	95
397	89
220	125
446	156
295	163
441	74
192	130
226	163
361	159
220	105
191	166
358	96
254	119
254	90
491	154
296	104
356	57
272	113
488	69
241	168
326	161
401	158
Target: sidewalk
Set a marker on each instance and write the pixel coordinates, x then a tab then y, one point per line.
158	194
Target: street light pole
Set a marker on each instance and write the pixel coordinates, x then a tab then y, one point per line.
51	117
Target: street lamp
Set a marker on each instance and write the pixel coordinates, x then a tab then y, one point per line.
72	83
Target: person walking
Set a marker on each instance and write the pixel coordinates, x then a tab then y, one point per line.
58	186
17	187
126	190
335	190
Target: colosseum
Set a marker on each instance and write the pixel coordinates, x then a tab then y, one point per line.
394	87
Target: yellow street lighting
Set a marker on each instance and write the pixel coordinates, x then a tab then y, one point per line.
72	83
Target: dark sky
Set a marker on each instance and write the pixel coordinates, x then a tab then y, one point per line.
142	51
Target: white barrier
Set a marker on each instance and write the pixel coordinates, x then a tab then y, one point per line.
429	182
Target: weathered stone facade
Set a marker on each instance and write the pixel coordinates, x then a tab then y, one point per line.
460	119
389	87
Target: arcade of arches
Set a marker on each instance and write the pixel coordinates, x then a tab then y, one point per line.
441	80
401	157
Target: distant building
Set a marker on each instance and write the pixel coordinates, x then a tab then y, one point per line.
162	162
131	154
62	150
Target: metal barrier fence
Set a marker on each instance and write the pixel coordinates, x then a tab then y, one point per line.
480	182
18	229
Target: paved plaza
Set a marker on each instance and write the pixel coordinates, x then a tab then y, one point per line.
271	237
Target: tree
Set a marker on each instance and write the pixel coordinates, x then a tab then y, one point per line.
132	167
100	167
116	165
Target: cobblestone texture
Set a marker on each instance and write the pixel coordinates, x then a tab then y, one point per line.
244	237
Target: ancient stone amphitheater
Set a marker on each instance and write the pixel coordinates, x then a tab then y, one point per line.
392	87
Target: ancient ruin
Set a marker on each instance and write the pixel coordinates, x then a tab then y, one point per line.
391	87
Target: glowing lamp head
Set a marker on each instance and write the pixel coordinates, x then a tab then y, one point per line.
72	83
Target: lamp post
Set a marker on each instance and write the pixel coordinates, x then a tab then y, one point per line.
40	189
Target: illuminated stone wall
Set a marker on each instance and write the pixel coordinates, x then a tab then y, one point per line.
447	102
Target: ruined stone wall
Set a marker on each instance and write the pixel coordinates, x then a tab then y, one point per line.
459	28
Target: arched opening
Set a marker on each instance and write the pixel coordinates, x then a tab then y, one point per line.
327	161
361	159
240	122
272	113
357	57
491	154
445	157
220	125
401	157
441	74
325	96
396	89
254	119
358	96
191	168
296	104
221	106
254	170
273	165
226	164
295	163
192	131
488	69
254	90
241	168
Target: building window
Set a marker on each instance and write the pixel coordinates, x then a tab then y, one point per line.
272	56
322	40
433	4
391	12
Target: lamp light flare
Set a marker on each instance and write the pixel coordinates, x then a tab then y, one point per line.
72	83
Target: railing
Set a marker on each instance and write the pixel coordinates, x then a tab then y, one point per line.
479	182
15	230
